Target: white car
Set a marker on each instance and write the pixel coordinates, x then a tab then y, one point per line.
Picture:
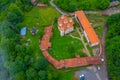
102	60
82	77
98	68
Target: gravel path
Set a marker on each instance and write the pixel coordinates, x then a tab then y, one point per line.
107	12
84	44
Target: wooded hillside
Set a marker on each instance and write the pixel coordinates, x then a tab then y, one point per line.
113	46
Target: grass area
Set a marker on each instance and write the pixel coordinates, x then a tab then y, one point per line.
98	22
90	50
67	74
65	47
2	15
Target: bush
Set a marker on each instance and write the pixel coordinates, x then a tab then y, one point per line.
102	4
73	5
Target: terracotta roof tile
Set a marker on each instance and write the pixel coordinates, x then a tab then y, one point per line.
70	25
45	44
93	38
65	23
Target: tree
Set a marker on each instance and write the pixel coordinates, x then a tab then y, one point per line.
40	64
27	60
113	53
53	75
113	19
16	66
14	15
103	4
72	7
31	74
42	74
5	30
20	76
113	23
14	18
25	5
113	46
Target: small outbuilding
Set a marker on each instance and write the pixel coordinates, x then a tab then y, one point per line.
42	5
33	31
23	31
114	3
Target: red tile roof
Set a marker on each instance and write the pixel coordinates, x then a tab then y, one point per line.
65	23
93	38
45	44
50	58
42	5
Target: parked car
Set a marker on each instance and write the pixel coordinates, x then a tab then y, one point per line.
98	68
102	60
82	77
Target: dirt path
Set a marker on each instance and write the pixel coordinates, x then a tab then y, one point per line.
84	44
104	53
57	8
75	37
107	12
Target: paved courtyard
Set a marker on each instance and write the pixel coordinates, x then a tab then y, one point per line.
89	75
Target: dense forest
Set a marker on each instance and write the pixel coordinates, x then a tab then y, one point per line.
17	57
113	46
72	5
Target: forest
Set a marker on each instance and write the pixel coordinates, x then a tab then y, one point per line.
18	58
73	5
113	46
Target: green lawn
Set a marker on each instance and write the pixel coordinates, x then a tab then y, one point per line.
65	47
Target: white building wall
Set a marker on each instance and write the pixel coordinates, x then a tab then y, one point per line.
62	33
86	36
69	30
95	44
